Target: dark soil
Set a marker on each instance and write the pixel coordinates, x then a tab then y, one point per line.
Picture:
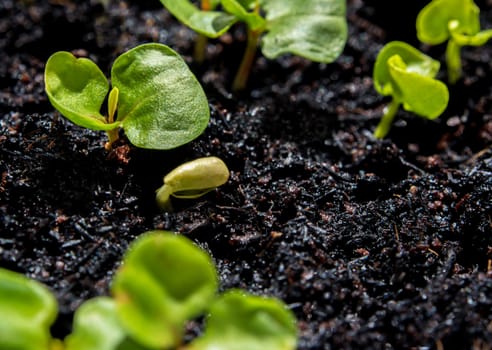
372	244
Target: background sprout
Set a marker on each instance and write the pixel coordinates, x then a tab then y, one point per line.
192	180
27	309
239	321
456	21
407	75
155	98
314	29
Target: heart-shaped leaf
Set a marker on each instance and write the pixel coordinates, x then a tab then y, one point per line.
165	280
415	61
239	321
420	94
433	20
314	29
209	23
27	310
161	104
77	88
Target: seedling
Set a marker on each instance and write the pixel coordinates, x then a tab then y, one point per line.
164	282
314	29
155	98
192	180
407	75
455	21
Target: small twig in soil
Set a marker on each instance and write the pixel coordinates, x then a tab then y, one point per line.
411	166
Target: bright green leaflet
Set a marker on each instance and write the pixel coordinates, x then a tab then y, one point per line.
77	88
27	310
96	326
158	101
456	21
406	74
314	29
433	19
162	105
253	20
209	23
239	321
165	280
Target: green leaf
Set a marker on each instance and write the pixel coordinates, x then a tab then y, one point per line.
433	20
477	39
415	61
240	11
96	326
77	88
422	95
239	321
165	280
314	29
209	23
27	310
161	104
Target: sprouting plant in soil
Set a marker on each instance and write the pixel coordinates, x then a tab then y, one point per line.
454	21
192	179
164	282
314	29
407	75
155	98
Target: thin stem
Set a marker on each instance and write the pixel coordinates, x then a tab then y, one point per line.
453	61
201	40
200	48
113	134
241	79
385	123
242	75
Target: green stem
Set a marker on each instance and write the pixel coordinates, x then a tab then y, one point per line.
163	198
241	79
113	134
385	123
201	40
453	61
200	48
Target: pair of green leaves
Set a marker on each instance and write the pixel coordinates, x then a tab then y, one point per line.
155	98
407	75
164	281
455	21
314	29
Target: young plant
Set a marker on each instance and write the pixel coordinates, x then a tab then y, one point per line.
192	180
407	75
314	29
164	282
456	21
155	98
